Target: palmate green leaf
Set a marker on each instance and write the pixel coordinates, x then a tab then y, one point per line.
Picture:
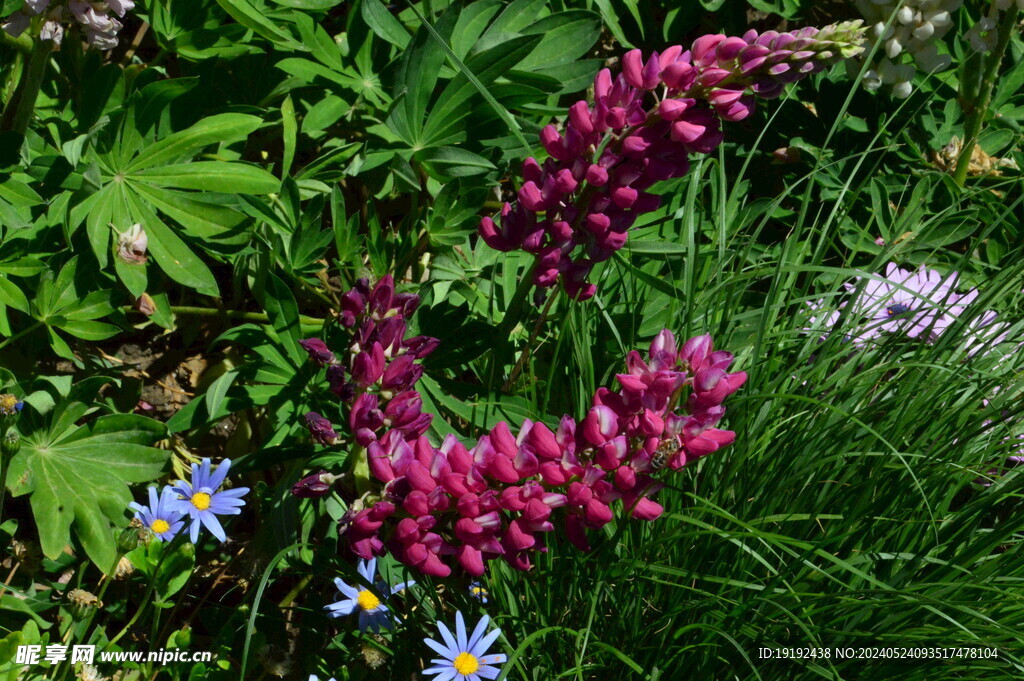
280	305
417	74
309	71
454	162
255	19
154	98
171	253
566	36
447	113
137	182
12	296
384	23
215	176
222	128
318	41
78	477
202	219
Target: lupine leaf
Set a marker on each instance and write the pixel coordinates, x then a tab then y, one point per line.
79	475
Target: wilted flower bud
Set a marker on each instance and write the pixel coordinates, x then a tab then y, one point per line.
275	660
787	155
145	305
373	656
28	553
131	245
124	568
82	603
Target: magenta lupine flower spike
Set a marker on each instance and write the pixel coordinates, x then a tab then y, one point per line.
449	505
439	508
576	208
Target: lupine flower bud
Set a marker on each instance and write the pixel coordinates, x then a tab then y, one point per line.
315	485
320	428
318	351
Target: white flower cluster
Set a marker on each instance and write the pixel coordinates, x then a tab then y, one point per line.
94	18
984	34
915	30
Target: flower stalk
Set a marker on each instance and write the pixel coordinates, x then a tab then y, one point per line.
976	107
22	104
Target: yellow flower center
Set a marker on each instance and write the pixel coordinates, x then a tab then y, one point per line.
160	526
8	403
466	664
367	601
479	592
201	500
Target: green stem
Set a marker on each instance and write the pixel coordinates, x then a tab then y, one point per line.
4	461
19	110
528	349
978	108
22	44
259	317
23	332
514	312
85	625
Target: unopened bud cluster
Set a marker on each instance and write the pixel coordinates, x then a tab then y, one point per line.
915	30
576	208
93	18
378	369
435	507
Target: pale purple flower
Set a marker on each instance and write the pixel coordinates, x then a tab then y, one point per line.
820	320
52	29
119	7
912	302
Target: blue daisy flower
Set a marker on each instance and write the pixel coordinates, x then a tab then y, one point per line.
373	614
479	591
201	501
161	515
464	658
